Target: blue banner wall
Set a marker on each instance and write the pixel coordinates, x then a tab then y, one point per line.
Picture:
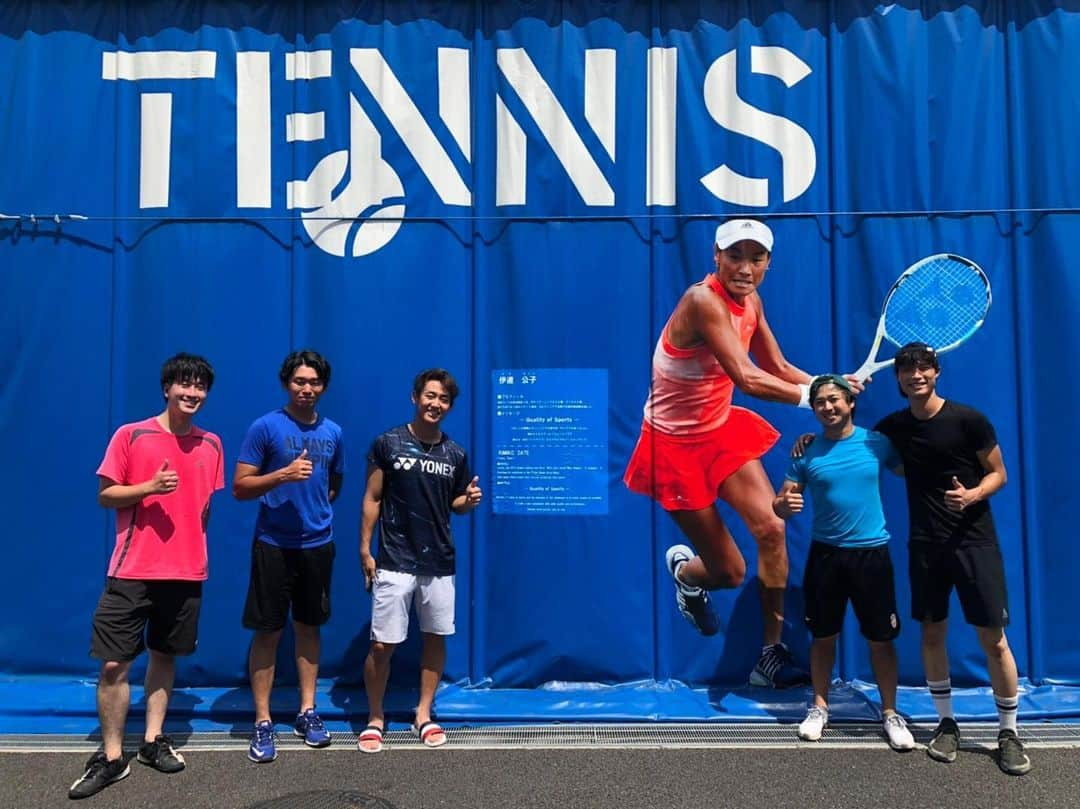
524	186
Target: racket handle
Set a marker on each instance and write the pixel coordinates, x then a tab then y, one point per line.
869	367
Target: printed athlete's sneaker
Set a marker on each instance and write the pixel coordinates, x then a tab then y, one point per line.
310	726
100	772
897	734
161	755
262	748
776	668
946	741
1011	756
810	729
693	602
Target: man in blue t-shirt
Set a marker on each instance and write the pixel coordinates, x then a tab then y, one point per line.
849	553
293	461
416	476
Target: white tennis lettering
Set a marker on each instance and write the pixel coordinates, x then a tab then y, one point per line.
367	210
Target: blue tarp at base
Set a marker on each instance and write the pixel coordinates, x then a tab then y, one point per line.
509	189
53	706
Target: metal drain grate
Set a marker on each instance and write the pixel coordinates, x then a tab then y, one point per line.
585	736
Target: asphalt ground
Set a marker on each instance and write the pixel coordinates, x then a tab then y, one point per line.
340	777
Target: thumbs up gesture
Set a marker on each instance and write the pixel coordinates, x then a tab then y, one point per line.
791	500
473	494
165	480
300	468
957	497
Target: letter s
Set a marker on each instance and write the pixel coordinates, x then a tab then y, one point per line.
794	143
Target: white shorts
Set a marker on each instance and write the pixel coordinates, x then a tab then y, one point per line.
394	592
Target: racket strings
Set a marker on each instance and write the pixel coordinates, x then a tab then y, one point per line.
940	302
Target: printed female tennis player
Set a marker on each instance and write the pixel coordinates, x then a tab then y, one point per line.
695	447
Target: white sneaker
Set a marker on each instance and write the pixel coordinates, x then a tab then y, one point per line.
897	733
816	719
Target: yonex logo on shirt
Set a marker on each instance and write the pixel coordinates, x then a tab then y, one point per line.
440	468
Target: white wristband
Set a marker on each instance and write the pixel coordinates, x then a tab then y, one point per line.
804	396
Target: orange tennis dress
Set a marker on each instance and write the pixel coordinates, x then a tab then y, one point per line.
692	438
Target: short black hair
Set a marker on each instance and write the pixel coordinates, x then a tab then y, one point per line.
914	354
188	368
312	359
441	375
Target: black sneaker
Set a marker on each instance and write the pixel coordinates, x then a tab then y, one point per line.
946	741
1011	756
161	755
693	602
776	668
100	772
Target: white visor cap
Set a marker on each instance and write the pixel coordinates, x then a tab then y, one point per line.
735	230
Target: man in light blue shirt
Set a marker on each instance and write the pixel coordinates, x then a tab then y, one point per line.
849	553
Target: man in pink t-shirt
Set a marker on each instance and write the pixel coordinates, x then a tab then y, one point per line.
159	475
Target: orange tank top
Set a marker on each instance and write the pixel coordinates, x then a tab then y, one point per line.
690	392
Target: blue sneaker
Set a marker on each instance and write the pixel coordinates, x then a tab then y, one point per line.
776	669
312	729
693	601
262	749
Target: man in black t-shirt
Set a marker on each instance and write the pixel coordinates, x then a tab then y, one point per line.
416	476
953	465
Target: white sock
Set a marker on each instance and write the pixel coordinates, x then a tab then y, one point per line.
682	582
678	569
941	693
1006	708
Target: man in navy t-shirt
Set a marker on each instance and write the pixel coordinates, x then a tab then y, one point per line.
293	461
416	476
849	553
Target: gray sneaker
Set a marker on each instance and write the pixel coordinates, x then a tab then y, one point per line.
946	741
1011	756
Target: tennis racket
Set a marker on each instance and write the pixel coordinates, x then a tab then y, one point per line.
940	300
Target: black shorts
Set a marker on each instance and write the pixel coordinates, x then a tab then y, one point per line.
862	575
976	571
133	614
284	576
